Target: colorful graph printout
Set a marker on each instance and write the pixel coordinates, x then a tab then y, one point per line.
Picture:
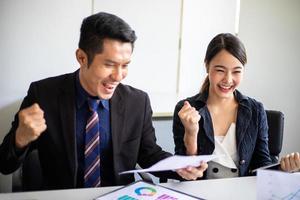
141	190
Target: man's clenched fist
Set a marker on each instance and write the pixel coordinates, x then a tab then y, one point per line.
31	125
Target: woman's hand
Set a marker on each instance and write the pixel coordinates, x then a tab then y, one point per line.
190	117
192	173
291	162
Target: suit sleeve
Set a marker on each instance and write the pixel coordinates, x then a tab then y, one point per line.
10	157
150	152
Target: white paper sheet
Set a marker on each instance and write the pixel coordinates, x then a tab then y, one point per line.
267	167
272	184
175	162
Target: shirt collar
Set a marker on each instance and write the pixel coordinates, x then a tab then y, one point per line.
82	95
105	103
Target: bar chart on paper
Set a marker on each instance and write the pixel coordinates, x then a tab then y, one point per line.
277	185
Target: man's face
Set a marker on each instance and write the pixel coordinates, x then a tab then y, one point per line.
107	69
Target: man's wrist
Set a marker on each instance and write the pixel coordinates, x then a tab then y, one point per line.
19	141
18	147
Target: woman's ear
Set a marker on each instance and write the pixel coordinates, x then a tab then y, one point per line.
82	58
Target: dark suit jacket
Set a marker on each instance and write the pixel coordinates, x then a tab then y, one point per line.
132	132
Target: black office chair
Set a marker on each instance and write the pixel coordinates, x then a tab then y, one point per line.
276	125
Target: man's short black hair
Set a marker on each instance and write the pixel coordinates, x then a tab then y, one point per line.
100	26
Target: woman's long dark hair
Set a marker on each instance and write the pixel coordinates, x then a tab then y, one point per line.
225	41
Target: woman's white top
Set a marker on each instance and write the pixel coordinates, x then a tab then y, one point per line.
226	164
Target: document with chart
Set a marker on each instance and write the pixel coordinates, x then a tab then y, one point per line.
273	184
141	190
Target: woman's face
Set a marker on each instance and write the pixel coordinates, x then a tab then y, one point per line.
225	74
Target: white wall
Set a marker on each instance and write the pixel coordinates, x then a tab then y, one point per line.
38	39
202	20
270	30
169	72
154	60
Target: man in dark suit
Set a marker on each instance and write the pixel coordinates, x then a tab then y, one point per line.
54	116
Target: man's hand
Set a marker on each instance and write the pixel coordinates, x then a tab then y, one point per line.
31	125
192	173
291	162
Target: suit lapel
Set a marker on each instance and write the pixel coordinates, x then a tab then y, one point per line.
242	123
117	108
67	114
208	128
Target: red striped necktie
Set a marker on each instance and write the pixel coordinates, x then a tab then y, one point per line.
92	147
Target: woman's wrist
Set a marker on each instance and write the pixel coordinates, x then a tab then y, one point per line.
190	142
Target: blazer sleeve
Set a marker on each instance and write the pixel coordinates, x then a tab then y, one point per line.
10	157
178	131
150	152
261	155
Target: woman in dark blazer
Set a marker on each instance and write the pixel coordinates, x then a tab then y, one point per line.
221	120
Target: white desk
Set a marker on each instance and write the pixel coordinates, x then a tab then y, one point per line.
229	188
233	188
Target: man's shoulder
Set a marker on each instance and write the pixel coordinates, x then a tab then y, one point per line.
127	90
130	97
55	80
55	83
53	86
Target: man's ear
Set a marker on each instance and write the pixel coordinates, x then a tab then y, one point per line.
82	58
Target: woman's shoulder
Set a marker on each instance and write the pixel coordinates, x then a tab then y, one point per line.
249	102
190	99
196	101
